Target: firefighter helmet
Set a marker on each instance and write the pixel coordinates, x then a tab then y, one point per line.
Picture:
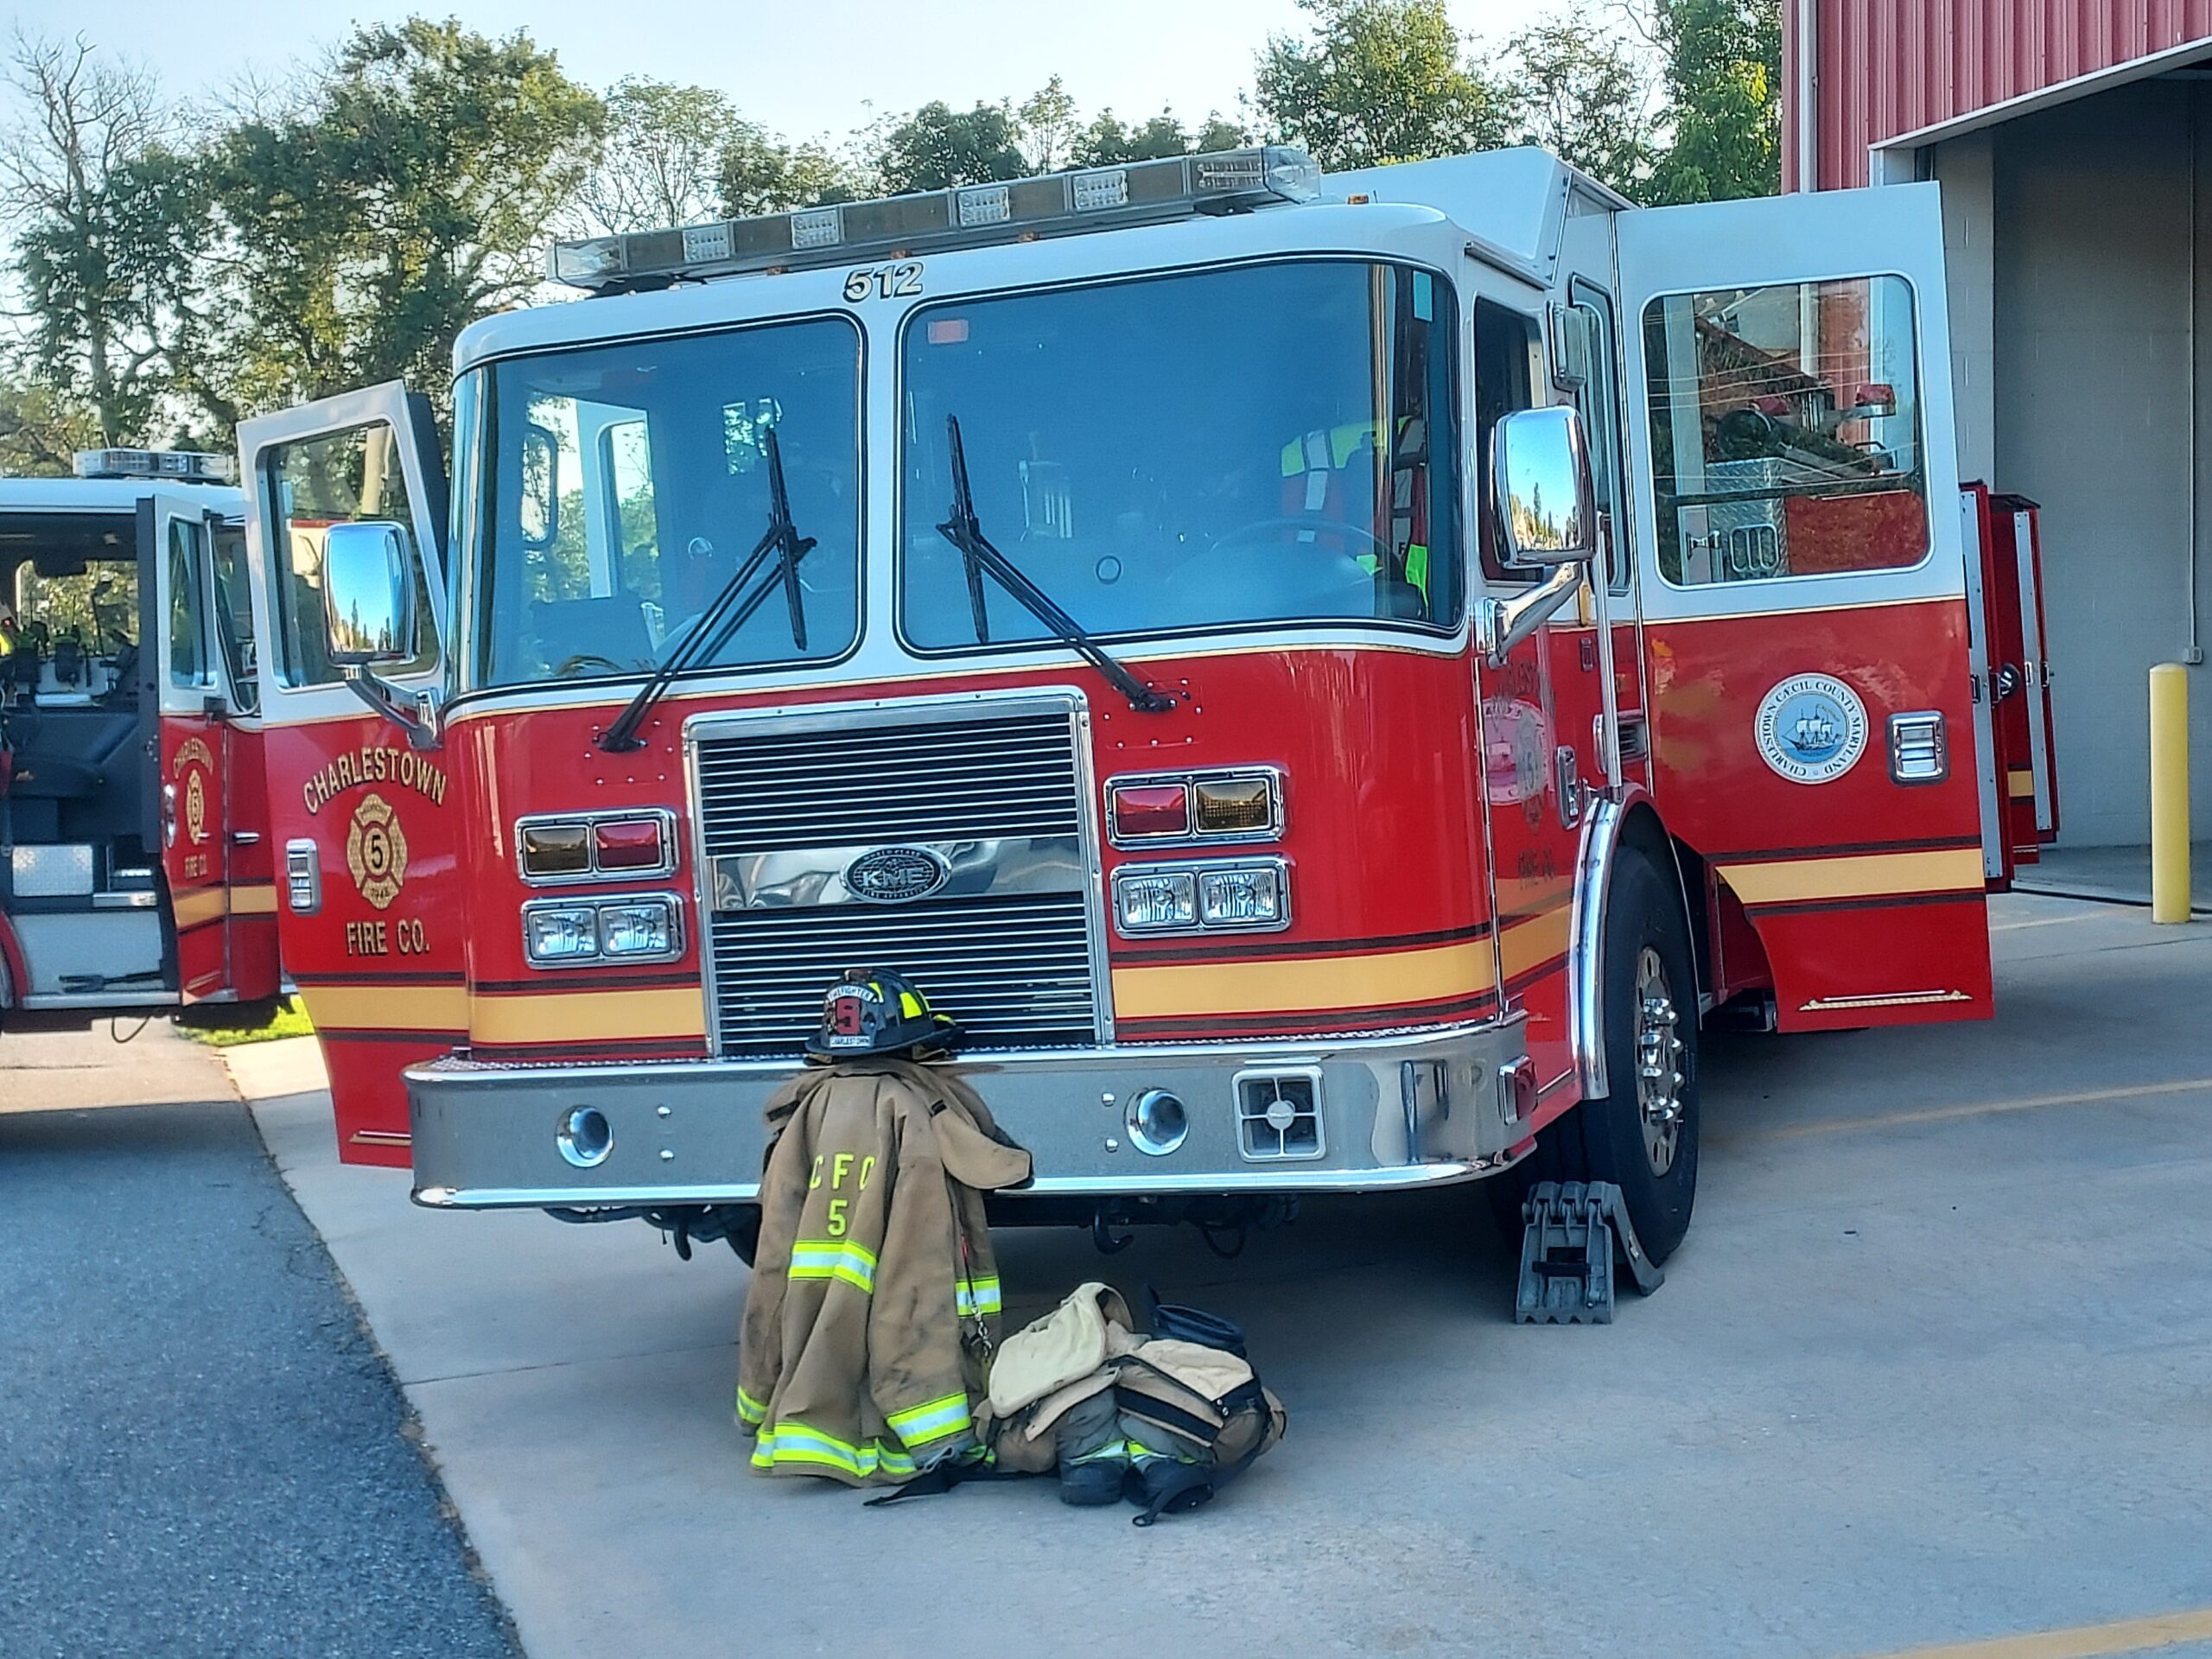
875	1011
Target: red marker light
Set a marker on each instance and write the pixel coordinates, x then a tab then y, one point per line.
948	331
1150	811
628	844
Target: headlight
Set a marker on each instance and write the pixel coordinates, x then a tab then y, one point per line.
644	927
638	927
1249	897
562	933
1147	901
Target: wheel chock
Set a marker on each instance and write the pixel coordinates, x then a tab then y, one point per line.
1566	1254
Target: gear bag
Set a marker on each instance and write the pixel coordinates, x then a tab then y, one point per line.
1165	1422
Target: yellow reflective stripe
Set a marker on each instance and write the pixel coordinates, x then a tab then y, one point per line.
977	1296
751	1410
795	1443
921	1424
831	1258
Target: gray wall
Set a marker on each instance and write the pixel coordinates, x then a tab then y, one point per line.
2069	235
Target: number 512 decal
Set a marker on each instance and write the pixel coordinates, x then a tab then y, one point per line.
901	281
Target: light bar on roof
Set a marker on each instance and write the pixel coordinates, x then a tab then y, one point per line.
185	466
1053	204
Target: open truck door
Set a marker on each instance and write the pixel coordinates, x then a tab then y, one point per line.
346	495
1804	595
2011	679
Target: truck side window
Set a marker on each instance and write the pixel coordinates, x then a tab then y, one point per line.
1506	344
188	663
339	478
234	618
1785	431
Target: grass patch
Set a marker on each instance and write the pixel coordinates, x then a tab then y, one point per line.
288	1020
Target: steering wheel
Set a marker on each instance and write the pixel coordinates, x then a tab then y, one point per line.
566	669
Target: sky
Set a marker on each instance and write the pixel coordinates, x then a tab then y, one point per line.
801	67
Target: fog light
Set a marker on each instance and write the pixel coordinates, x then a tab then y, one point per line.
585	1137
1148	902
556	933
1158	1123
1250	896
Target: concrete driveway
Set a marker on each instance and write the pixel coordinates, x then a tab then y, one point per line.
1935	1367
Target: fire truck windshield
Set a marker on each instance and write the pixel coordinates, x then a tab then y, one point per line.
622	486
1257	445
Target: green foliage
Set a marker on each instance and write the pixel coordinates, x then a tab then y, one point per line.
661	161
409	196
1379	81
1582	92
1723	81
1107	142
41	428
939	147
761	174
1046	122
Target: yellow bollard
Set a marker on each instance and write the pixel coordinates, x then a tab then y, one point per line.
2169	793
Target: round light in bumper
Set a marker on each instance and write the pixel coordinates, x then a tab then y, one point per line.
1158	1123
585	1136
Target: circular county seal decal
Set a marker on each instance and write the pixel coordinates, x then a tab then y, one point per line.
376	851
1811	729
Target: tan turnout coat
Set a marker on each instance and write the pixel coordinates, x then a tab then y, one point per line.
874	1304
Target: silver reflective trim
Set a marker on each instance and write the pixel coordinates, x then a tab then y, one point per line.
1272	775
664	867
817	876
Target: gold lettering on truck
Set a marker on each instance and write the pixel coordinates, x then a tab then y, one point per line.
376	851
375	764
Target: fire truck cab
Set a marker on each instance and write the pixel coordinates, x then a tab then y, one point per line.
134	868
1330	680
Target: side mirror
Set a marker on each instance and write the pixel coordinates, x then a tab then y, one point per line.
368	594
1541	489
541	487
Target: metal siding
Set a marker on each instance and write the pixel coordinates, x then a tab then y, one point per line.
1890	67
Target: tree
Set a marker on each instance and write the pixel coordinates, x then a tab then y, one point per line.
1381	80
1107	142
41	429
407	194
1723	79
1585	96
662	160
761	174
939	147
1046	122
105	215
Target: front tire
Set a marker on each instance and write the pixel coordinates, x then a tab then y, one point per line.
1641	1135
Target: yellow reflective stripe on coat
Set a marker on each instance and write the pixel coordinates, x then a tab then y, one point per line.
749	1410
793	1443
976	1297
919	1425
835	1258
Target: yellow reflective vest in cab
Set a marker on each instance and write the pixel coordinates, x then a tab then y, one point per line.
874	1304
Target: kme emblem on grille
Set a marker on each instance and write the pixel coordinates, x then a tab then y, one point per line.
896	875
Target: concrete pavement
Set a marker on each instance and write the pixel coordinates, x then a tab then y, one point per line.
201	1452
1934	1364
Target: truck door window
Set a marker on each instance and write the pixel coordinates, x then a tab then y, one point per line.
1597	399
188	663
339	478
234	618
1505	357
1785	431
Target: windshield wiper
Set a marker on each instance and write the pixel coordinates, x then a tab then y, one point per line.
718	622
977	556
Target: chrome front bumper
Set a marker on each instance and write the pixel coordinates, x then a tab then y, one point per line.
1399	1111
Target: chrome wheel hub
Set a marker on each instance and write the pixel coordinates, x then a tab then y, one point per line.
1658	1063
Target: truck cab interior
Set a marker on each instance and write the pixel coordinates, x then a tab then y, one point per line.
79	849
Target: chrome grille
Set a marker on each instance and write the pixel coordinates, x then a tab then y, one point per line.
1008	947
1001	776
1014	972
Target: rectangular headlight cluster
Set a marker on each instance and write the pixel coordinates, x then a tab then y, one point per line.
564	933
1250	896
596	846
1244	803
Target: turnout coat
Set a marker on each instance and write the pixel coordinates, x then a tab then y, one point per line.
875	1305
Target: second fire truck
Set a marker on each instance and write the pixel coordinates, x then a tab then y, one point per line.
1331	680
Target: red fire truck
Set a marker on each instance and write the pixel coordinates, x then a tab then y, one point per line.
1331	680
133	815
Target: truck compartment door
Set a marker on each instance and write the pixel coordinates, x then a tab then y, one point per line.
1804	595
1982	652
2016	524
363	825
